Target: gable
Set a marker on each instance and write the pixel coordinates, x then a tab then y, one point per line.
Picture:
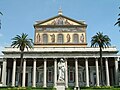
60	20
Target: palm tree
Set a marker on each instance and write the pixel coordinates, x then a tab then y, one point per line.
21	42
0	20
118	20
101	41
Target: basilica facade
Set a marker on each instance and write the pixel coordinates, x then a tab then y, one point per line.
57	38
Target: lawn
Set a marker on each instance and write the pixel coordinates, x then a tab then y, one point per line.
40	88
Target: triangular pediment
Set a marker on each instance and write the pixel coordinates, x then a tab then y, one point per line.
60	20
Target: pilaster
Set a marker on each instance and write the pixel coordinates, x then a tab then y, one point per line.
45	65
55	72
4	69
14	72
76	73
116	70
107	72
66	73
24	73
34	73
87	72
97	72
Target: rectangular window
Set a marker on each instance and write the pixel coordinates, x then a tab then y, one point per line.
45	38
60	39
75	38
50	75
71	75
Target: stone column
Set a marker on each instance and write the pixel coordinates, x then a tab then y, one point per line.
24	73
97	72
4	69
55	73
34	73
66	74
45	72
76	73
116	70
107	72
14	72
0	72
87	72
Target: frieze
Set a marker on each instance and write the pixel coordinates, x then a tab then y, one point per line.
54	37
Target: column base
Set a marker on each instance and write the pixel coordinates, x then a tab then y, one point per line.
33	86
44	86
77	88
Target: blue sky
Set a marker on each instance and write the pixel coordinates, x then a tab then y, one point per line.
20	15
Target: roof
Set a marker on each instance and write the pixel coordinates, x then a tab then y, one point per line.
40	23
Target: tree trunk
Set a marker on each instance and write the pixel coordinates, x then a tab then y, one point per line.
101	63
20	69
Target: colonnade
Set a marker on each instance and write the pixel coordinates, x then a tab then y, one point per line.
4	69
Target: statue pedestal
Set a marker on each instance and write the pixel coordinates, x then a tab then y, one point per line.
60	85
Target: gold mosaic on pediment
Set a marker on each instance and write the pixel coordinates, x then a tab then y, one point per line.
60	21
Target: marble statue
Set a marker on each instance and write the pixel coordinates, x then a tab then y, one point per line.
61	70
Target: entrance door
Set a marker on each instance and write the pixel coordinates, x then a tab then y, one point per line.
26	80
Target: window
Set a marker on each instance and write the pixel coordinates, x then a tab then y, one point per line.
75	38
38	38
45	38
60	38
50	75
71	75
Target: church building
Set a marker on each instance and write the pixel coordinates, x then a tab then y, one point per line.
56	39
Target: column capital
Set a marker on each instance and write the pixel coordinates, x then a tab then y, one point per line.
116	58
86	58
4	59
34	58
14	58
76	58
24	59
96	57
45	58
55	58
106	57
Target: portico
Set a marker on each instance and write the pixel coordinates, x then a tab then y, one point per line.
41	71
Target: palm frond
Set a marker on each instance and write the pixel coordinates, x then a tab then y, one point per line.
22	42
100	40
1	13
